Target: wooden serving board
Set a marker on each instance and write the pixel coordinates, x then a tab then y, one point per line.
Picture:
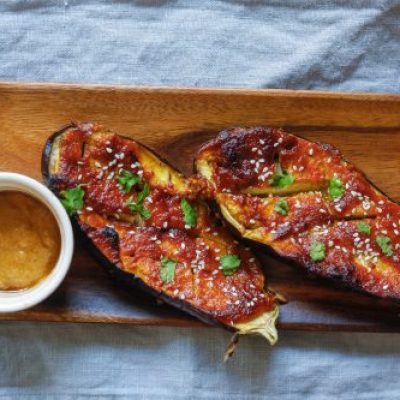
174	122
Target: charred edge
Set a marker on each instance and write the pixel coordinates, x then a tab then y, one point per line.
129	280
48	147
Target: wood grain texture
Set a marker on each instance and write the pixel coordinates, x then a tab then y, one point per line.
174	122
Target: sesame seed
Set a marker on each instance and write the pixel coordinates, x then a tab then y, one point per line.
183	245
254	149
276	144
252	221
158	241
310	152
366	205
97	164
187	226
89	208
252	259
165	224
108	150
262	141
280	140
110	176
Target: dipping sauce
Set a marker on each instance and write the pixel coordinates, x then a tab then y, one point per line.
29	241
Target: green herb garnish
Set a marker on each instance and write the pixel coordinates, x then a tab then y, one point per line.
317	251
385	245
336	188
137	207
72	199
167	272
127	180
143	194
281	179
363	227
230	264
189	213
281	207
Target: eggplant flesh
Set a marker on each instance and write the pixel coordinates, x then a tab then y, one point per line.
145	222
307	203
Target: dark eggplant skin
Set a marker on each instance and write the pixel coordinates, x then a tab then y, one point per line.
129	280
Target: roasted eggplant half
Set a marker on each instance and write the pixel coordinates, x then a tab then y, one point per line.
145	222
307	203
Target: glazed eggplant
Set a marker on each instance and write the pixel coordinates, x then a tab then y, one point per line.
146	224
306	203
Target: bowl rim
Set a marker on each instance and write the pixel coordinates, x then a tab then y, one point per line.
12	301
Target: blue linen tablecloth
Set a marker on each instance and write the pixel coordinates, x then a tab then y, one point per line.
332	45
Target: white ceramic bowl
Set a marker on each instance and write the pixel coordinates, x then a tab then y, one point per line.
20	300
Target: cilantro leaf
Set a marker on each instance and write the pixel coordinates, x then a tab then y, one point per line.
143	194
385	245
189	213
281	207
336	188
317	251
72	199
127	180
363	227
138	207
281	179
167	272
230	264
